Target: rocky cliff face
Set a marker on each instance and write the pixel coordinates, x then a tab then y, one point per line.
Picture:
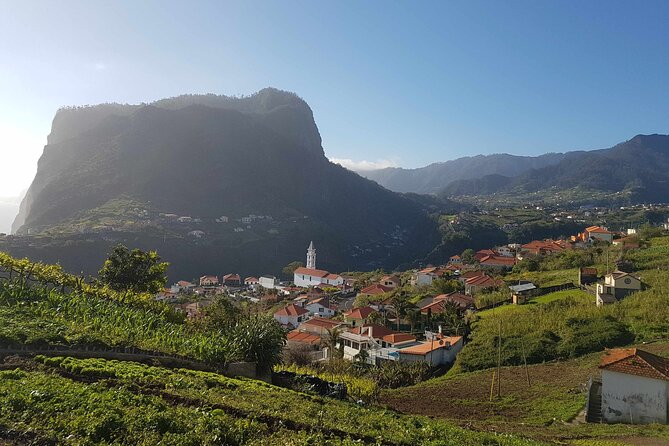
258	161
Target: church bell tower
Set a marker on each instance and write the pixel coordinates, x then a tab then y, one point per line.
311	256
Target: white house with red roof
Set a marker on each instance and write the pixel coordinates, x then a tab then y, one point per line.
320	307
209	281
359	316
291	315
438	350
634	387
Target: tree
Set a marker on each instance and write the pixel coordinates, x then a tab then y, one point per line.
333	338
402	307
289	269
467	255
136	270
445	286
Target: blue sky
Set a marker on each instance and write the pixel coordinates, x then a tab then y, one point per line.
394	83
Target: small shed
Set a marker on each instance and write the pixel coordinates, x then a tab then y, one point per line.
521	293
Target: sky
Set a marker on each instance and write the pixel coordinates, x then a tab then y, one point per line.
391	83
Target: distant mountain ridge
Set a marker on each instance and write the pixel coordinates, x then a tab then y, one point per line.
116	172
433	178
639	167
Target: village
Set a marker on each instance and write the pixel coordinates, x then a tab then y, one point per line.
424	315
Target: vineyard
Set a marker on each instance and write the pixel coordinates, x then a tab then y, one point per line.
42	306
94	401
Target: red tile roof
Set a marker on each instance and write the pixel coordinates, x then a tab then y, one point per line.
303	337
322	322
397	338
311	272
376	331
430	346
360	313
231	277
375	289
633	361
498	261
291	310
184	283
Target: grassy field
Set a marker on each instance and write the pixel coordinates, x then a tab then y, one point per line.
577	294
547	408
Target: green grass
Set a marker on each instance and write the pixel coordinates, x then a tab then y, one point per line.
126	397
577	294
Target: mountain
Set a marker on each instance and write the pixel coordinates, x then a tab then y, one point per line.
435	177
216	184
638	168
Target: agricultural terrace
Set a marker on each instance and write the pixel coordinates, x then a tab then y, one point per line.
94	401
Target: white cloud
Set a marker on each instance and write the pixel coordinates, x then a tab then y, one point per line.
99	66
364	165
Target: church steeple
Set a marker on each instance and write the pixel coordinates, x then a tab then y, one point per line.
311	256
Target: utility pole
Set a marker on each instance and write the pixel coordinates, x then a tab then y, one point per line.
499	360
527	371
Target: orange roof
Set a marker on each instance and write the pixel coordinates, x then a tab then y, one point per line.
470	274
375	289
633	361
303	337
322	322
360	313
251	279
231	277
184	283
397	338
482	280
374	330
311	272
392	278
291	310
430	346
498	261
597	229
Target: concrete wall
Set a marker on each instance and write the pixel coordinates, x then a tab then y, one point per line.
633	399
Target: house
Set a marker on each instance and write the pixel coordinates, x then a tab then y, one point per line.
441	303
182	286
251	281
208	281
269	282
462	278
438	350
398	340
320	326
358	316
425	276
374	290
505	251
484	253
306	277
297	338
480	283
598	233
498	262
543	247
390	281
232	280
629	242
455	260
616	286
320	307
353	343
291	315
634	387
521	293
587	275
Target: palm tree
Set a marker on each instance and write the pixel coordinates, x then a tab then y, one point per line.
334	338
402	307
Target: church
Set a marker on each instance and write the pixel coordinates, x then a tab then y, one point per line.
310	276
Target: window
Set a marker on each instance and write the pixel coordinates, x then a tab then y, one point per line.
628	281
